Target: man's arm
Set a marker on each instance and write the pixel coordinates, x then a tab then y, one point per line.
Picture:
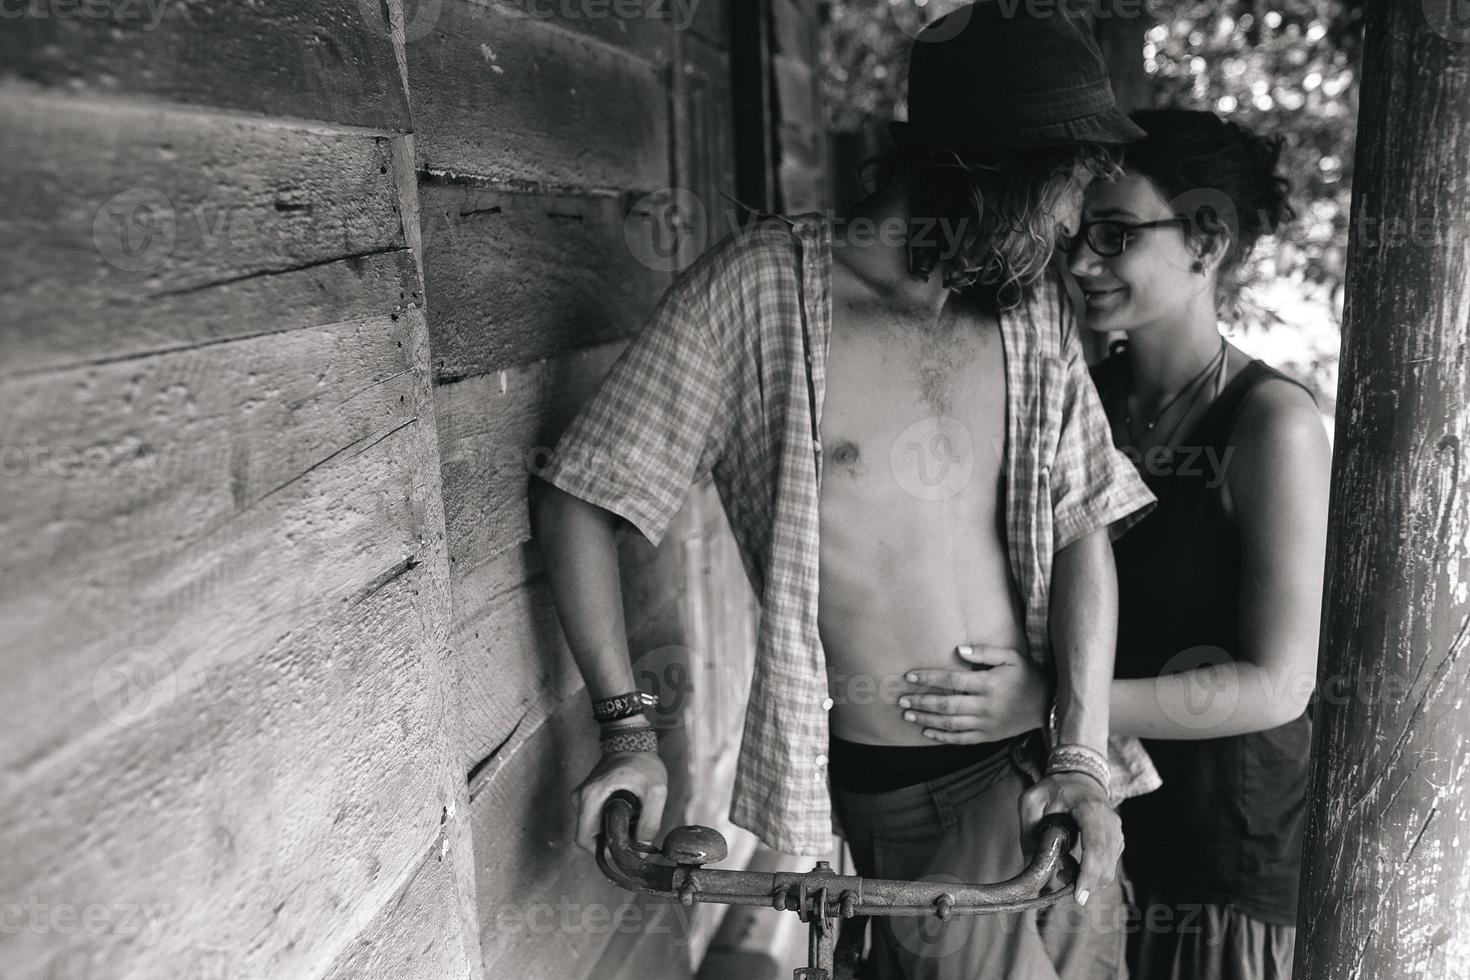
1084	623
655	427
580	550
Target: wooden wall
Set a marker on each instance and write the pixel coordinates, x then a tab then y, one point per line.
295	292
544	231
225	729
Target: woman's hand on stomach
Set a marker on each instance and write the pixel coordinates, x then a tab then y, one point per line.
998	694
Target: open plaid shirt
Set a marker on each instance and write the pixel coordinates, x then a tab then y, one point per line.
728	378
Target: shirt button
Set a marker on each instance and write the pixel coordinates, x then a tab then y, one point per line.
817	445
821	761
827	704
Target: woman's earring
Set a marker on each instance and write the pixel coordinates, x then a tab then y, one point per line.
1198	266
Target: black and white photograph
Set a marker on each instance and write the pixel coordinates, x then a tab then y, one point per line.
735	490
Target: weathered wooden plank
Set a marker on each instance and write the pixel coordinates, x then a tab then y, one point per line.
513	278
308	59
501	95
132	230
511	659
494	432
546	909
192	507
413	937
260	817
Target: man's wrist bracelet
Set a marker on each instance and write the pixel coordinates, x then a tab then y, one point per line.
1080	759
622	706
630	740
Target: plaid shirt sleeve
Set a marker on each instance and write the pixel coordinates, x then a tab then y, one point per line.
656	425
1093	485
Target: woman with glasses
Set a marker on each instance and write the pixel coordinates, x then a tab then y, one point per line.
1220	586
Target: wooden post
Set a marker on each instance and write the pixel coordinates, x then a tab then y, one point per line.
1120	30
750	81
1386	876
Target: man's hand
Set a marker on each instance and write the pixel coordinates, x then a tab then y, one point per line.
1001	694
640	773
1086	802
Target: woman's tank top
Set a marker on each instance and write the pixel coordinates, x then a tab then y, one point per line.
1226	826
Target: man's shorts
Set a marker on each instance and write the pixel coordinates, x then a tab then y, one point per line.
965	827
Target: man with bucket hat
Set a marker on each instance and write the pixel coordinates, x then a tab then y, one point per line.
918	474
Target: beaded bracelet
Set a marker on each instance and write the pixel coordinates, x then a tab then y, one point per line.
632	740
1080	758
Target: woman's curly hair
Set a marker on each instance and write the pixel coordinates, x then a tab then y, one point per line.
1222	177
987	219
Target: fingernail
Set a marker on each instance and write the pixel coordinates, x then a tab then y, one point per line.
966	650
909	716
910	677
905	703
1082	896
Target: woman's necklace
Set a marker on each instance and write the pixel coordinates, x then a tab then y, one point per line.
1194	384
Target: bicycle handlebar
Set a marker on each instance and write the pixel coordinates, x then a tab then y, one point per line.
680	873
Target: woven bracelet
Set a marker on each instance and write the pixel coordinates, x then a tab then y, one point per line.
631	740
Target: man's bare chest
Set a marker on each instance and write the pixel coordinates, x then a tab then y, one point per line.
919	406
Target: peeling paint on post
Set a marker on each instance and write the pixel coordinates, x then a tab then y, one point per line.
1386	875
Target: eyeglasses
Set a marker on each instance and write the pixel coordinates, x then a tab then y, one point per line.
1111	237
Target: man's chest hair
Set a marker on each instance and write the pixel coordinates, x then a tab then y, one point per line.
891	351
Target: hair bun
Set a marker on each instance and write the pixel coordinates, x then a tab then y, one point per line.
1267	206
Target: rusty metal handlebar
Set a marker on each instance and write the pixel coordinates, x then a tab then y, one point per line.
677	870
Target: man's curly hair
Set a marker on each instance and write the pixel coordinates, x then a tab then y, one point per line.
987	219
